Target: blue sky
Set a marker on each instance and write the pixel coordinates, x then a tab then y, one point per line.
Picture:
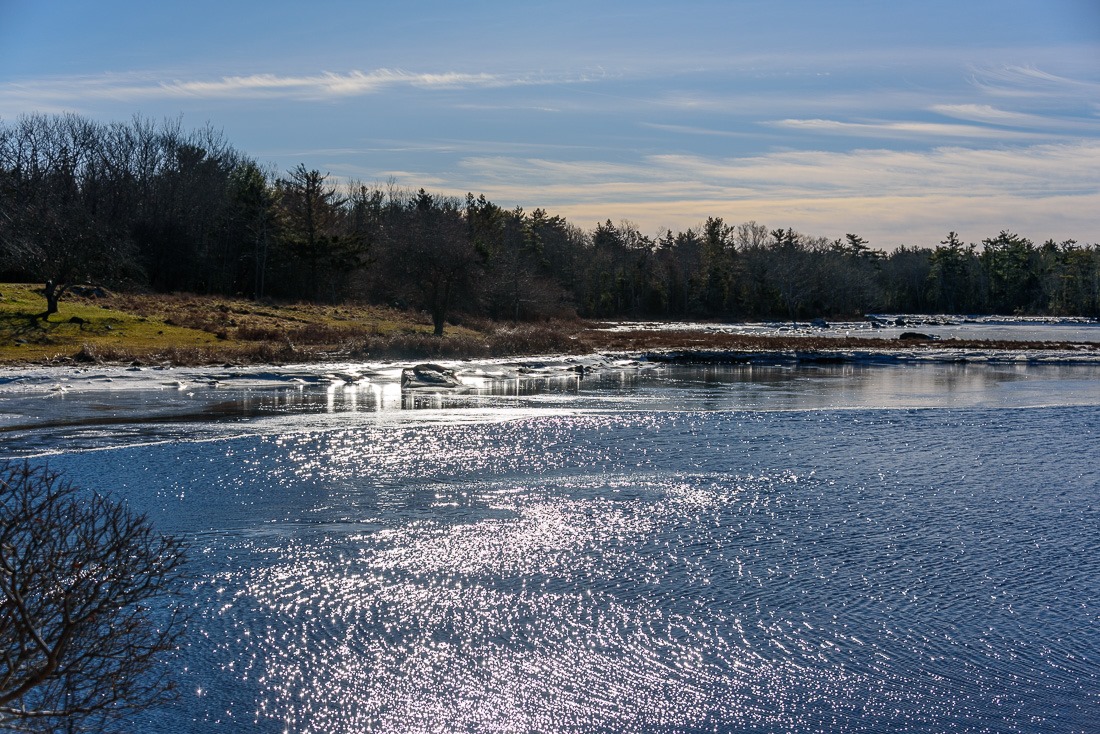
899	121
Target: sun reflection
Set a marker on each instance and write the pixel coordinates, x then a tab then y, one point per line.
614	572
512	623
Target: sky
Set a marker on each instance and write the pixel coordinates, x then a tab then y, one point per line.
898	121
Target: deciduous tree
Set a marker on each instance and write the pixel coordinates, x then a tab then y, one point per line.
85	605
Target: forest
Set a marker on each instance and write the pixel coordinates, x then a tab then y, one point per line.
152	206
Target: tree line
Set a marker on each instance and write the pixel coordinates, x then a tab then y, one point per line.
151	205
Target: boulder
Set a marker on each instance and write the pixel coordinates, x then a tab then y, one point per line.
428	375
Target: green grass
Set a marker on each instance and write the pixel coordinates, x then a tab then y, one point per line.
24	338
190	329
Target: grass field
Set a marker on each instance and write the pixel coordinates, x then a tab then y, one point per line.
189	329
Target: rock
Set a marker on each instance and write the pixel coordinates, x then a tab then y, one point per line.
579	370
77	320
915	336
428	375
346	378
89	291
820	323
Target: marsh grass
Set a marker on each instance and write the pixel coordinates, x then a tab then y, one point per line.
186	329
642	341
189	329
495	341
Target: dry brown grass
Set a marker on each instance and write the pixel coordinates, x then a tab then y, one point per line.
641	341
190	330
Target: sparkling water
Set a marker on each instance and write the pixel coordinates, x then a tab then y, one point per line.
839	549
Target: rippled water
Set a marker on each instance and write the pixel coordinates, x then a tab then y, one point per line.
663	555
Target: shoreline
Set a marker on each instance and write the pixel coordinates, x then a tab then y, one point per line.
665	347
184	330
336	368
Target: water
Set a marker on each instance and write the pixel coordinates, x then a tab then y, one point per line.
765	549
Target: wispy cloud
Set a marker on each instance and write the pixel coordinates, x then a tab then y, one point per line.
695	130
1033	105
1029	81
327	84
898	197
904	129
990	115
136	87
987	114
1029	171
886	221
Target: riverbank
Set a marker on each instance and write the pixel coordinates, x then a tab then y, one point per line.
182	329
188	330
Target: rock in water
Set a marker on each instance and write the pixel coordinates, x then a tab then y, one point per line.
428	375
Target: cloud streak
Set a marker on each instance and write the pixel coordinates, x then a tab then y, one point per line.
1034	171
928	130
898	197
325	85
1016	81
886	221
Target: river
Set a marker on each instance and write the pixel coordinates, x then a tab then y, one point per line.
743	548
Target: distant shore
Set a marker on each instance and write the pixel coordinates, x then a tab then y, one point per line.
187	330
578	340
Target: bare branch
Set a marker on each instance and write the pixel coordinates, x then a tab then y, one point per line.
86	613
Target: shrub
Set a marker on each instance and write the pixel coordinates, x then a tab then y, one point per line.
83	623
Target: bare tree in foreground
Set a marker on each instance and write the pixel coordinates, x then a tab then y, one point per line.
84	618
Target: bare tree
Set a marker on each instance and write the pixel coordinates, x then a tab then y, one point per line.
86	617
